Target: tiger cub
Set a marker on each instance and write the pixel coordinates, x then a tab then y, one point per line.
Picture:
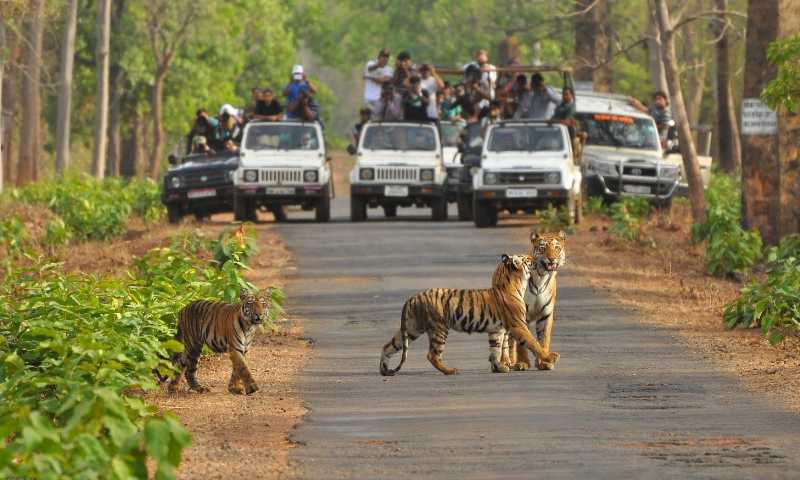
224	327
495	310
549	254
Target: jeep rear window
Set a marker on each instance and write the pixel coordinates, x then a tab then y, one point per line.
451	134
275	136
400	137
619	131
526	138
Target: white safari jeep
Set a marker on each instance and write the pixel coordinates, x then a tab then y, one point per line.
525	166
282	163
398	164
623	153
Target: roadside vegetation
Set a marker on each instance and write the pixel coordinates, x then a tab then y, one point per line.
78	350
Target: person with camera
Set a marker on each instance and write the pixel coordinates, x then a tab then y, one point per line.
476	93
304	108
205	126
433	84
415	103
389	107
298	81
377	73
538	103
403	71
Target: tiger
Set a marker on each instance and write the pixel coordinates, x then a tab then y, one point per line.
495	310
224	327
549	254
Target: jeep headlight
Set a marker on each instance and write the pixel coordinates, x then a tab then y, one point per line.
251	176
603	168
366	173
310	176
175	182
672	172
426	175
552	177
490	178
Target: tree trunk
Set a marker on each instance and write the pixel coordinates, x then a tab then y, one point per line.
115	121
655	64
9	106
3	56
688	150
65	87
730	148
156	105
31	100
101	102
592	44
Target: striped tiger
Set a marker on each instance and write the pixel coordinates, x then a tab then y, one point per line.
549	254
495	310
224	327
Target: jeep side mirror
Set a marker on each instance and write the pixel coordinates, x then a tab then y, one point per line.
172	159
351	149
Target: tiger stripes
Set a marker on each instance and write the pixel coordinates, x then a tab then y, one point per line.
497	311
549	254
224	327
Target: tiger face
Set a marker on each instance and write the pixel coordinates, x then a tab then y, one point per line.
514	271
548	250
254	306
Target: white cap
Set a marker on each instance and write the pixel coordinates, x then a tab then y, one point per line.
229	109
297	69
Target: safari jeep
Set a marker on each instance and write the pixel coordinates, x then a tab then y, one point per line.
622	154
451	157
525	166
282	163
200	184
398	164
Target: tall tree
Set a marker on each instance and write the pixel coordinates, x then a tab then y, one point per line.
3	56
8	106
168	23
65	86
667	27
31	106
101	103
730	147
592	44
655	62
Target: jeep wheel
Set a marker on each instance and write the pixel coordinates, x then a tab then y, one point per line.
323	210
278	212
485	214
390	211
464	203
174	214
439	209
358	208
241	209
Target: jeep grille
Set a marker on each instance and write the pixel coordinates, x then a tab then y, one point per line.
200	179
396	174
280	176
511	178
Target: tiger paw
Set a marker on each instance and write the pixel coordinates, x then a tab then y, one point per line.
547	363
236	390
250	389
500	368
521	366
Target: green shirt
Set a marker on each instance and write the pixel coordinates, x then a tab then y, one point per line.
564	111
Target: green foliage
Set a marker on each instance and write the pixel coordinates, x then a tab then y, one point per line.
88	209
784	89
13	235
75	349
730	248
554	219
596	206
627	216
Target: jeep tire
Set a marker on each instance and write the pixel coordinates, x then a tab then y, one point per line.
485	214
390	211
439	209
358	208
278	212
323	211
174	214
464	204
243	210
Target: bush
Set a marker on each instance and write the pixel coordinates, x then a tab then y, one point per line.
554	219
75	350
729	249
627	217
596	206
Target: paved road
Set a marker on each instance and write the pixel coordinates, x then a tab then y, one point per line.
626	400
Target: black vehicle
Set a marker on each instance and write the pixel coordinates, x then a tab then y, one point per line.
201	184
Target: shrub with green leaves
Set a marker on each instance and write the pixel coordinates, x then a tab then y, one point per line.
554	219
729	248
595	206
627	217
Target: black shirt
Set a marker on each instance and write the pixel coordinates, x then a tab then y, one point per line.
272	108
415	108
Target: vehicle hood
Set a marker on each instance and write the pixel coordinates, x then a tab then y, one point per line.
399	158
229	163
449	154
527	161
612	154
282	158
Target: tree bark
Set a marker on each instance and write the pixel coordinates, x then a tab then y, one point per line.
695	74
156	105
592	44
115	121
9	106
3	56
31	99
65	87
730	147
688	150
101	103
655	64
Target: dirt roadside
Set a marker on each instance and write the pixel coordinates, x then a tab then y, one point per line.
668	286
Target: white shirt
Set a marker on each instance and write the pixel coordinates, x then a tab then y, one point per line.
372	89
432	88
488	78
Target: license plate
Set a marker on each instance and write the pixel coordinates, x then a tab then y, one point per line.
521	192
280	191
202	193
395	191
636	188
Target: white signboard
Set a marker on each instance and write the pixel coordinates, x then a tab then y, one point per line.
757	118
583	86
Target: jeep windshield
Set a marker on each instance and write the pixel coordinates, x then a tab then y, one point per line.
526	138
400	137
622	131
451	134
275	136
